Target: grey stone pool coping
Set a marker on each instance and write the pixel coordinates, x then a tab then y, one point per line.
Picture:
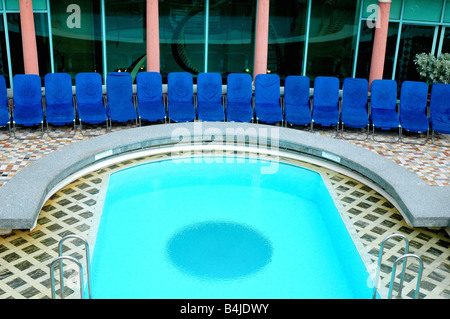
22	198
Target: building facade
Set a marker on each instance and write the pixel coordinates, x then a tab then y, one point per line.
339	38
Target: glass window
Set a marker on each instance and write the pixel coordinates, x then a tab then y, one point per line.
3	54
366	47
414	39
37	5
287	26
420	10
447	12
182	36
370	5
231	35
125	35
446	44
76	30
42	43
332	38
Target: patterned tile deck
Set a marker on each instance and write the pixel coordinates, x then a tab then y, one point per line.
25	256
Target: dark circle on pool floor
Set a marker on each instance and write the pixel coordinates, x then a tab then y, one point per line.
219	250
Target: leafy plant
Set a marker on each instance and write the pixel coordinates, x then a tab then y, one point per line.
432	69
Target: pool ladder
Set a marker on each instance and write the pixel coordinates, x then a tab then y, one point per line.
60	260
403	258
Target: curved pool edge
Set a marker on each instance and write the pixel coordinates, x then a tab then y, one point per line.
421	205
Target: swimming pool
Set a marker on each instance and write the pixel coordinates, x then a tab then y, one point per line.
218	228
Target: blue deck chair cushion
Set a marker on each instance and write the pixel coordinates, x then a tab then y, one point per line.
267	98
119	90
326	101
149	95
89	95
239	97
354	103
297	100
28	110
383	101
4	110
180	94
209	97
440	108
413	106
59	108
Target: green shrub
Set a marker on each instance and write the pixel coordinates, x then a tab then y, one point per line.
432	69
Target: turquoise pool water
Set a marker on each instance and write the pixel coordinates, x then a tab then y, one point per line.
222	229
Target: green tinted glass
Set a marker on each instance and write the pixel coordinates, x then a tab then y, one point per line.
370	5
37	5
420	10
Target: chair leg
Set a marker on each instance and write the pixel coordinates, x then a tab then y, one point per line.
28	138
355	139
382	141
90	135
433	142
413	143
71	136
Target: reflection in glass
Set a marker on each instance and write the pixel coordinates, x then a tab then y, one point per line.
3	54
287	27
182	36
446	44
76	31
125	35
231	36
332	38
366	47
414	39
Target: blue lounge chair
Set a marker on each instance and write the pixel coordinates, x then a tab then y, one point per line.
325	109
59	106
354	111
89	96
180	94
239	106
149	97
267	99
383	107
209	97
413	108
119	91
440	109
27	99
297	100
5	115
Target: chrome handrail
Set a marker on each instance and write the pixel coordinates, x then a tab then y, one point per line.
405	257
52	275
380	257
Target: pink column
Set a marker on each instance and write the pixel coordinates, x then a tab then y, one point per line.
152	36
261	38
30	56
380	40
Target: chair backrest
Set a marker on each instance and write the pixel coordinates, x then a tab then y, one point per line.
89	88
383	94
326	91
296	90
4	110
267	88
209	88
413	97
180	87
149	87
27	90
355	93
440	99
119	88
58	89
239	88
